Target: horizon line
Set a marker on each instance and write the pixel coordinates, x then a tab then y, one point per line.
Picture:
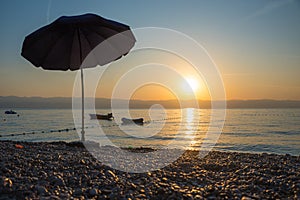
262	99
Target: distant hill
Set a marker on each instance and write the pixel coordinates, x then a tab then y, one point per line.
12	102
263	103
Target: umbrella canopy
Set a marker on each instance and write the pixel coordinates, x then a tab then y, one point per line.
66	42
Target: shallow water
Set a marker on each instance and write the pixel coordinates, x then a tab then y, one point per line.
245	130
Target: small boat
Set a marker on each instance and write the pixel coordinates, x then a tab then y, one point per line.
138	121
10	112
109	116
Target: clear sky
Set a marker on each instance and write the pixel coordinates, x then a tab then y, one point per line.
255	44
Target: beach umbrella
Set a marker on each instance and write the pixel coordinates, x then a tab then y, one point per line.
66	42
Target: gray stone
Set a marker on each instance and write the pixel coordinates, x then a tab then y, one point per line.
93	192
41	189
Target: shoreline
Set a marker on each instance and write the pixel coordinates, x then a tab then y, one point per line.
56	170
69	143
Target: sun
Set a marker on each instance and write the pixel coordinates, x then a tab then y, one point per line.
193	86
193	83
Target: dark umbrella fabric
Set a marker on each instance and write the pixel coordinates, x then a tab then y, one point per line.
66	42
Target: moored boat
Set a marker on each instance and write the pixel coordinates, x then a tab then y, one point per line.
108	116
138	121
10	112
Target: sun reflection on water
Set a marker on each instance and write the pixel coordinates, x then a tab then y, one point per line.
189	126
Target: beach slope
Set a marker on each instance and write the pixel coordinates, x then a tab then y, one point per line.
62	170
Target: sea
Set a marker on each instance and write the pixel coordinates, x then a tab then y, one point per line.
244	130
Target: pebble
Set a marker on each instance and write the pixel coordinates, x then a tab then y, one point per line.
67	171
246	198
7	182
57	180
111	173
93	192
41	189
77	192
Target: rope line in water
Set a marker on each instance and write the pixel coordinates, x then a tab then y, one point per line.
279	115
74	128
38	132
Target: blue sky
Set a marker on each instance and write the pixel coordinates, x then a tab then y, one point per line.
255	44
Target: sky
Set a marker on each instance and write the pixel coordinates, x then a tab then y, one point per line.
255	45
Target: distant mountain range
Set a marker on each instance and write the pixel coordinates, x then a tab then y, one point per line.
13	102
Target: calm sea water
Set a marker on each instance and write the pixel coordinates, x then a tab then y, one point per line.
245	130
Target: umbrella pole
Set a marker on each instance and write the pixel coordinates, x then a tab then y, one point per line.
82	106
82	89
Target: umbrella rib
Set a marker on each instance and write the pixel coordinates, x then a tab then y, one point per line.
87	40
104	39
98	44
116	33
70	61
91	51
50	49
120	32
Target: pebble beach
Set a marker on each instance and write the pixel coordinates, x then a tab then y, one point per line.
60	170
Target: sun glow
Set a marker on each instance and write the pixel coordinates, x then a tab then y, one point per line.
193	83
194	87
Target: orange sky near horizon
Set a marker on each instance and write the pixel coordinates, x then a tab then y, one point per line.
170	77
